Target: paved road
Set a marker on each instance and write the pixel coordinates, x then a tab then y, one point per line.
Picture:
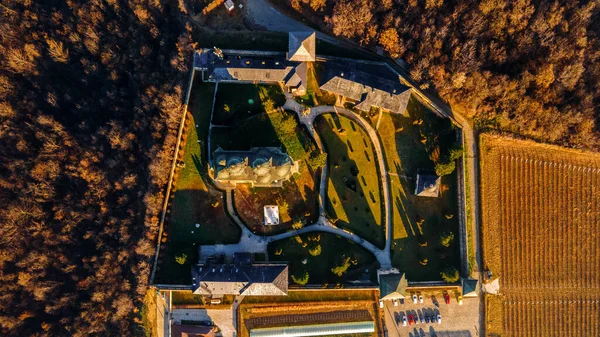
162	314
261	13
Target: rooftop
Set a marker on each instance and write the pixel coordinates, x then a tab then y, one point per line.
260	166
428	185
181	330
301	46
373	88
240	277
392	285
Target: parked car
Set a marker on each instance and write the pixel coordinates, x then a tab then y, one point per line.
426	318
403	320
395	302
414	297
411	320
459	300
381	304
422	319
439	319
416	318
447	298
420	298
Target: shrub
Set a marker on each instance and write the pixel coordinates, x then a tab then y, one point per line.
301	277
317	159
450	274
443	168
181	258
315	250
343	267
297	224
446	238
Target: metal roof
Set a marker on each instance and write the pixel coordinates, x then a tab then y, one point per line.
315	329
428	185
301	46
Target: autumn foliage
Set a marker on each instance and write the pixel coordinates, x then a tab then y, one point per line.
530	67
90	98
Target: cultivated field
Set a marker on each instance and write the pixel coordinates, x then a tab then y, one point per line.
540	220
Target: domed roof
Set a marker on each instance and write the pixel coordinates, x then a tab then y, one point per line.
260	160
223	174
234	160
236	169
284	169
264	179
261	170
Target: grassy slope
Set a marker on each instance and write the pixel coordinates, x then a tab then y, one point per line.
404	155
333	250
359	211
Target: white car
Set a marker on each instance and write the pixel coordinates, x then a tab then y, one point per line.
381	304
403	320
414	297
420	298
395	302
439	319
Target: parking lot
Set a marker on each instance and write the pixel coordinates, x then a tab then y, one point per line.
456	320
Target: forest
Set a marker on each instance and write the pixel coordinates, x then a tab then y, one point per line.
90	104
522	66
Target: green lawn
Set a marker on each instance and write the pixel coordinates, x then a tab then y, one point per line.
353	189
254	131
195	201
237	102
334	251
405	153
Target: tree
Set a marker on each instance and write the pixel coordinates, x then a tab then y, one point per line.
446	238
443	168
283	206
297	224
301	277
389	41
450	274
350	18
315	250
317	4
181	258
287	125
317	159
341	269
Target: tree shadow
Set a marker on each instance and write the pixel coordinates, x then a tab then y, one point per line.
344	176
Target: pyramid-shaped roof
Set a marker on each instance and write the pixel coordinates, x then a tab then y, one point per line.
469	287
301	46
392	286
428	185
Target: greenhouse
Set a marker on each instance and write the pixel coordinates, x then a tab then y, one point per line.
315	330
